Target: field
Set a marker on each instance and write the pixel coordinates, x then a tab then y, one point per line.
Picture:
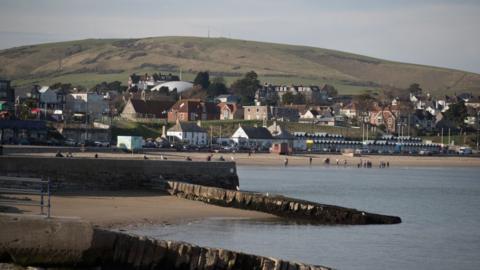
87	62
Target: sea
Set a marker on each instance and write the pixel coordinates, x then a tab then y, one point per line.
439	207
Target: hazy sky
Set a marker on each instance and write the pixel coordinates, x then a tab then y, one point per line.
432	32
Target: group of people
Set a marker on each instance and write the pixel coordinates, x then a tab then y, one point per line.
59	154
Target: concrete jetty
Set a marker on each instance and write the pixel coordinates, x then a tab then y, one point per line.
71	243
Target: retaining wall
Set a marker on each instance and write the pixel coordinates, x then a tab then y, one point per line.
278	205
75	174
53	242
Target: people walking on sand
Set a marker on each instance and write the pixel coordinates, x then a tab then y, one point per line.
188	158
145	157
96	155
221	158
327	161
285	162
58	154
209	157
232	158
388	164
310	159
344	163
337	161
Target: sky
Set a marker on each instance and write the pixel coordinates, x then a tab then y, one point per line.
431	32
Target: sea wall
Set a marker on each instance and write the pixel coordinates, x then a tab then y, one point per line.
278	205
36	241
77	174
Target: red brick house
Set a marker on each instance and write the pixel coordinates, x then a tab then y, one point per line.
193	110
383	117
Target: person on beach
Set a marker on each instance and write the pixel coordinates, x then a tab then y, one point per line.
388	164
145	157
310	159
344	163
58	154
96	155
188	158
327	161
337	161
285	162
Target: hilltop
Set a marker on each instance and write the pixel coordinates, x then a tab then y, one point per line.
87	62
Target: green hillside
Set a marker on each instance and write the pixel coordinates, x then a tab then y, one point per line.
87	62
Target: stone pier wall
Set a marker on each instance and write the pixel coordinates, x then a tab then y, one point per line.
77	174
29	241
278	205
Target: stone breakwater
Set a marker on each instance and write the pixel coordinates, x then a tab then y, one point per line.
34	241
278	205
80	174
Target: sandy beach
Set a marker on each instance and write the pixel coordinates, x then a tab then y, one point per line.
120	209
266	159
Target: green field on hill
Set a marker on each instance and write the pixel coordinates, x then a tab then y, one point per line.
88	62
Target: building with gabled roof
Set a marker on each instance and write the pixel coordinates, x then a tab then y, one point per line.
193	110
229	111
191	133
253	137
138	108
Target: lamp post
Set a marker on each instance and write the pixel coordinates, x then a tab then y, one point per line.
478	126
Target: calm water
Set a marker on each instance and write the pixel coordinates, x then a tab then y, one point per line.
440	209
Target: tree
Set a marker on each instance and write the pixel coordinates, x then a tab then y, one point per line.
456	113
288	98
415	89
330	89
202	79
217	87
246	87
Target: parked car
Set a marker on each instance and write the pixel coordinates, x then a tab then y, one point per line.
70	142
101	144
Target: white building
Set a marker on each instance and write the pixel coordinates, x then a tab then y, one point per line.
92	104
253	137
188	132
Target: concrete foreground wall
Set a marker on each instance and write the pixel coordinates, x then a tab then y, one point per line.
73	243
76	174
278	205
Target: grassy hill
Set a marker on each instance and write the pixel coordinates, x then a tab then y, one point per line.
87	62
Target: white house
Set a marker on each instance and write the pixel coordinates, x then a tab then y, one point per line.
253	137
92	104
188	132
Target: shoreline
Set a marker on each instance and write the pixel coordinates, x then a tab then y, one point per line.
268	159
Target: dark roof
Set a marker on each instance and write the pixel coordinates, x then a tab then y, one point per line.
22	124
159	108
257	133
187	127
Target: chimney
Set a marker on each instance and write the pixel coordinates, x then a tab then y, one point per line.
164	131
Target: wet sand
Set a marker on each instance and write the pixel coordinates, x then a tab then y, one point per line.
120	209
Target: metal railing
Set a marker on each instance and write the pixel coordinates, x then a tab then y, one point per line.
18	187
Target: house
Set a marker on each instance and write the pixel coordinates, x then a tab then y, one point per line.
253	137
381	116
190	133
424	120
192	110
92	105
349	110
23	131
270	112
7	98
310	115
326	121
268	92
229	111
227	99
138	108
281	135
